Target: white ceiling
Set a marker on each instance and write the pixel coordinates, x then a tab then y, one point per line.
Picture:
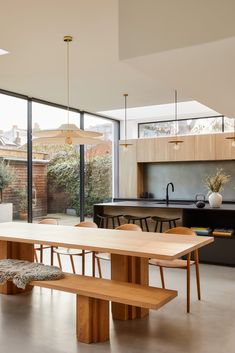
32	31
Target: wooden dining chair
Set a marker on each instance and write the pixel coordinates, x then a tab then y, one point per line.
41	248
75	252
181	263
97	256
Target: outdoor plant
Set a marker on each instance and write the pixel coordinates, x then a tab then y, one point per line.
23	200
215	182
6	177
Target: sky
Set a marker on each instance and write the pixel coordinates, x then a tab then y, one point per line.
13	111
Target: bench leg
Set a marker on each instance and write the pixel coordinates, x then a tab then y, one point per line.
133	270
20	251
92	319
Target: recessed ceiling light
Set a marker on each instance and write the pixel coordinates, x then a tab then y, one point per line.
3	52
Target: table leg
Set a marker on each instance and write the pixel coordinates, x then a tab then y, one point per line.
20	251
133	270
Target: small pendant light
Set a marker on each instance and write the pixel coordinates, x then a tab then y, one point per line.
125	144
176	142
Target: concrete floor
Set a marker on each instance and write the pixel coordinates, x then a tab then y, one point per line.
44	320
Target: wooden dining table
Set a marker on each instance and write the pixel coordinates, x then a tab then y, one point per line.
130	251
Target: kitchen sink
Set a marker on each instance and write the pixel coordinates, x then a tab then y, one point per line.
175	202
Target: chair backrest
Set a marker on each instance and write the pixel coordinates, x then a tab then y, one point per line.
181	230
48	221
129	226
86	225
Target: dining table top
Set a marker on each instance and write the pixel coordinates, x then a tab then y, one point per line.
134	243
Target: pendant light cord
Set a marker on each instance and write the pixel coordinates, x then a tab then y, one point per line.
176	113
125	106
68	83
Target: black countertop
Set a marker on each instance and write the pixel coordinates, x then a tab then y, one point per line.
161	204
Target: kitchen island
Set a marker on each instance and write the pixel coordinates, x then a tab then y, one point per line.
222	251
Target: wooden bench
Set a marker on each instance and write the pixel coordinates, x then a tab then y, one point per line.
93	296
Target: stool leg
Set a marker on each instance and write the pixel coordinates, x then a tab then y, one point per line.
118	220
141	224
169	224
156	226
174	222
100	223
113	222
146	224
160	227
128	220
107	223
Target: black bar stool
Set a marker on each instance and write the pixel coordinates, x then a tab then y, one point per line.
161	220
104	220
141	220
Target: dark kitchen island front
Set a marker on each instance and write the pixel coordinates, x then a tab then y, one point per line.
221	252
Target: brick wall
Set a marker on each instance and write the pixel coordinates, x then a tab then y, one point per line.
10	194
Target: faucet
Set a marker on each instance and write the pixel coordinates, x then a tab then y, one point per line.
167	192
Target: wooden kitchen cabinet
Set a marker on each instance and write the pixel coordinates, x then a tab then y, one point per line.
146	150
223	147
204	146
128	170
160	150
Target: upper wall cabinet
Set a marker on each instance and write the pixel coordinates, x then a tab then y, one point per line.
194	148
223	147
146	150
160	150
204	146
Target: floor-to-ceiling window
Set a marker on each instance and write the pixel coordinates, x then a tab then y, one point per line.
13	157
99	163
55	168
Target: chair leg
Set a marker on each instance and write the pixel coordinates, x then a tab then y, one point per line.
41	254
188	282
52	256
93	263
72	263
197	274
141	225
83	262
99	267
113	224
35	255
174	222
160	227
59	261
162	276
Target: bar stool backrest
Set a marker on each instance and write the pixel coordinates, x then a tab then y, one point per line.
133	227
181	230
86	225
